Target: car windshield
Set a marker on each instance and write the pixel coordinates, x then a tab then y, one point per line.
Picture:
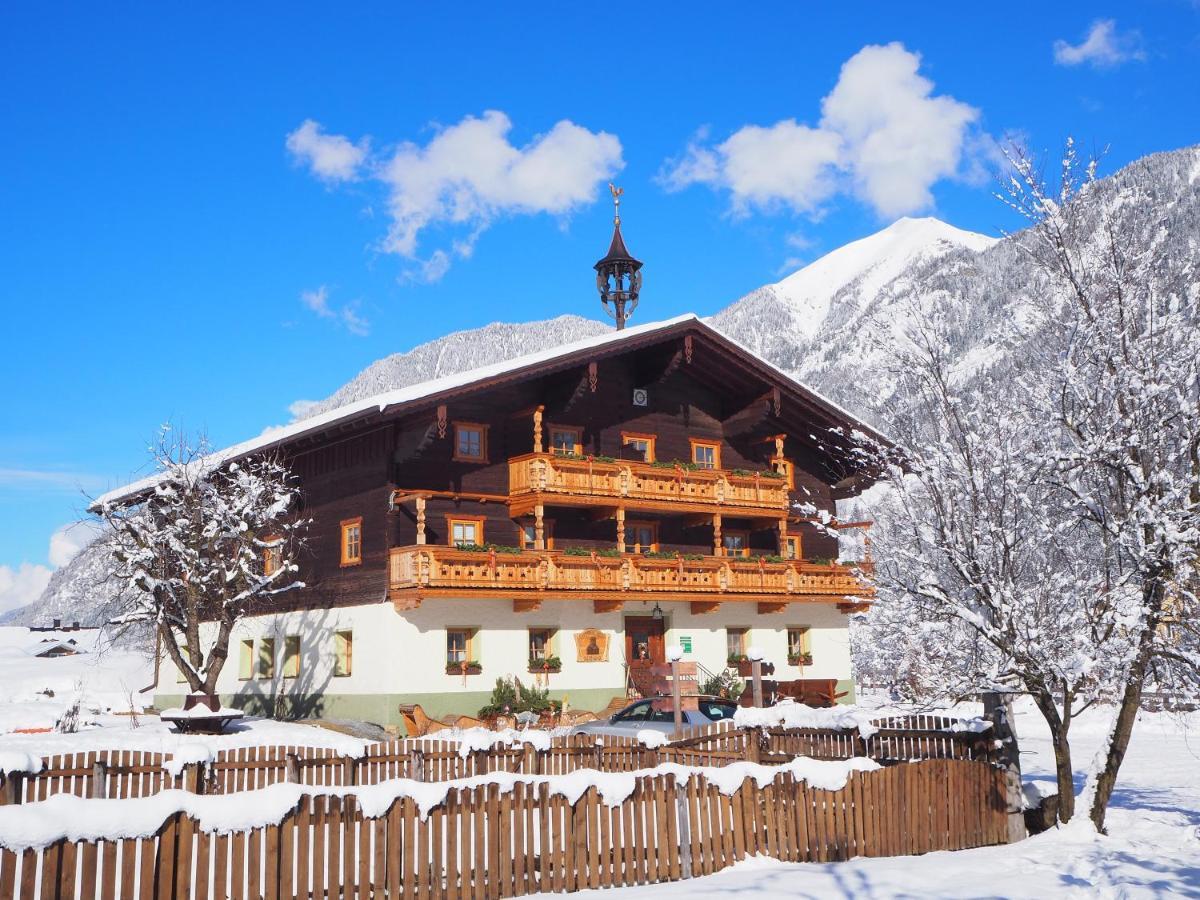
717	710
635	713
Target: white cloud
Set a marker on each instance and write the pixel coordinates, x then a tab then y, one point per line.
302	409
330	157
21	585
1102	47
347	316
44	479
70	539
470	174
883	137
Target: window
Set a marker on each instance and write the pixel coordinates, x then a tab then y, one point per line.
736	543
266	658
799	647
791	547
459	646
788	469
735	643
470	442
716	711
541	643
343	653
271	557
639	443
465	531
246	660
706	454
566	440
641	537
352	542
529	535
638	712
291	656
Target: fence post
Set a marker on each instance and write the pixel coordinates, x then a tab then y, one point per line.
349	770
291	768
12	784
192	778
530	764
685	829
416	764
753	745
98	789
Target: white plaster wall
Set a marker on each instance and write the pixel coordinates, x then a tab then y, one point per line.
406	652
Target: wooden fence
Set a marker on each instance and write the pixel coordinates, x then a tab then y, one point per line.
482	842
121	774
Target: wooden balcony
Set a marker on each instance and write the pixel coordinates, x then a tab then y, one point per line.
417	572
545	477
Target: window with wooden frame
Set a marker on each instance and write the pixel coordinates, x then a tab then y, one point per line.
641	537
266	658
566	440
352	541
343	653
791	547
639	443
529	535
736	543
271	557
246	660
460	646
541	644
291	656
787	469
736	640
464	531
706	454
799	646
470	442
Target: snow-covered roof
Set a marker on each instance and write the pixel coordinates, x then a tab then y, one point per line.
272	437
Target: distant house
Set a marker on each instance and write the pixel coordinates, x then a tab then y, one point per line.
50	648
563	517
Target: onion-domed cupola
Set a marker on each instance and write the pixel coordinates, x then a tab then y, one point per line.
618	274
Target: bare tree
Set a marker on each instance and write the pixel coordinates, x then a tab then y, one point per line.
207	543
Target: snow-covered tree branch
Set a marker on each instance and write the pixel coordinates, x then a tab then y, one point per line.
210	542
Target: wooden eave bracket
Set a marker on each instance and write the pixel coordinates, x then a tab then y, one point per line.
607	606
771	607
403	601
527	605
704	607
849	608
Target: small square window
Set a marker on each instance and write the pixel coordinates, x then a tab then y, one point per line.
641	537
271	557
291	656
541	642
735	643
706	454
791	547
642	444
266	658
464	532
343	653
246	660
799	647
736	543
529	535
459	646
566	441
470	442
352	542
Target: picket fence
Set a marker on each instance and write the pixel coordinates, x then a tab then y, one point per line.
482	842
123	774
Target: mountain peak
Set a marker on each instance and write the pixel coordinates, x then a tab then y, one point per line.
877	259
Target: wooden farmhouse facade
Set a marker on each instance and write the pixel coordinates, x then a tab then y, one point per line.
564	518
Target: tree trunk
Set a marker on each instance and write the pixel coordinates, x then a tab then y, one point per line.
1064	770
1131	701
997	709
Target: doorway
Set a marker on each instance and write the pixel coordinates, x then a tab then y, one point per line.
644	647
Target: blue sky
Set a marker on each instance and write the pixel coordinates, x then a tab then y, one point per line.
179	245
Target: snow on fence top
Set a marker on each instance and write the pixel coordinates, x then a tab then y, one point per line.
66	817
788	713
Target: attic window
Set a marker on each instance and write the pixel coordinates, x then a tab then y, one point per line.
470	442
566	440
352	541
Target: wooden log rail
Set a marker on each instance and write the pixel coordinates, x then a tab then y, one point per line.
547	473
430	567
126	774
482	842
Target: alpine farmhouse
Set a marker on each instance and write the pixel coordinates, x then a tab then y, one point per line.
562	517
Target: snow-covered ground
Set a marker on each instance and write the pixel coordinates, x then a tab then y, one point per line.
1153	847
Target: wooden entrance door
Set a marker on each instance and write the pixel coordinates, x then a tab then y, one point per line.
644	647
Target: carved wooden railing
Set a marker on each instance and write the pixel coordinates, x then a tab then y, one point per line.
436	567
546	473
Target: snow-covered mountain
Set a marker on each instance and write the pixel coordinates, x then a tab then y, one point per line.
829	324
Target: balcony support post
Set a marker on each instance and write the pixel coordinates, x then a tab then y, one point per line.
621	529
718	546
537	428
420	519
539	527
783	534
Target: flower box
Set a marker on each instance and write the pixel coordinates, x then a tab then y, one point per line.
804	659
471	668
550	664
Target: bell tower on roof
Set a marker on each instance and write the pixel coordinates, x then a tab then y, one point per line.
618	274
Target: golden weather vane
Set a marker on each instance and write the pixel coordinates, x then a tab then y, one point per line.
616	195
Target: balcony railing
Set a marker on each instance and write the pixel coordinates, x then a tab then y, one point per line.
430	567
546	473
